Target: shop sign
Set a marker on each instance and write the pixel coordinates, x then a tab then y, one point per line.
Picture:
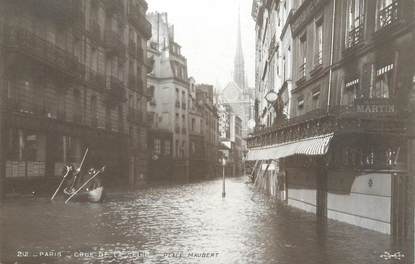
380	106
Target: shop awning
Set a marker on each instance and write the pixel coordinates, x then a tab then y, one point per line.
310	146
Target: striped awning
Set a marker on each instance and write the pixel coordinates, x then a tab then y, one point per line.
318	145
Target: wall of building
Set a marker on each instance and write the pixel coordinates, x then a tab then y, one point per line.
302	191
368	204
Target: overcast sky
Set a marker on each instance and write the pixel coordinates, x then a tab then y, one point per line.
207	31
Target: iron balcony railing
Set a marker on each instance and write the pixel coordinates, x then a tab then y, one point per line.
48	53
364	114
138	19
302	71
388	15
355	36
177	104
318	58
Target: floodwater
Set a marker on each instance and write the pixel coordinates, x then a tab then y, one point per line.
183	223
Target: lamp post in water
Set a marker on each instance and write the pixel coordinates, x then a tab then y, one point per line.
223	176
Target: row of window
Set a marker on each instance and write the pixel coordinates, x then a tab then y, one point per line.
386	14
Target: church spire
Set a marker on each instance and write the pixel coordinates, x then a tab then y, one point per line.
239	64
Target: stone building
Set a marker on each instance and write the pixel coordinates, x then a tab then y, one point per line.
230	135
197	163
343	152
170	85
73	76
209	126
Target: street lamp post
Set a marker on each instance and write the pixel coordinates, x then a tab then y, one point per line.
223	177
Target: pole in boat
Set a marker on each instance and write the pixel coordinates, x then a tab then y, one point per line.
82	161
83	185
60	185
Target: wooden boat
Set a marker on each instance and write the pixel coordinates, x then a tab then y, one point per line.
81	187
93	192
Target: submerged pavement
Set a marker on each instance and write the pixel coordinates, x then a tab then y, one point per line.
184	223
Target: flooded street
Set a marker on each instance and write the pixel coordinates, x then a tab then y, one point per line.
189	223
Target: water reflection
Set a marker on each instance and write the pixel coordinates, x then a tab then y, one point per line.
189	223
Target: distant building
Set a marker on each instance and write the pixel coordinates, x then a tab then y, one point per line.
169	105
236	93
197	154
73	75
209	127
230	135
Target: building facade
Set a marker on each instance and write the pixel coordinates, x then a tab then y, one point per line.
343	152
197	161
73	77
230	135
170	84
205	99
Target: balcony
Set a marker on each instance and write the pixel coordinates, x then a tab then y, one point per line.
177	129
114	44
29	44
139	20
318	63
177	104
388	15
184	106
302	72
355	36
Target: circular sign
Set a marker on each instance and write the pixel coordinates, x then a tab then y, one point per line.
271	96
251	124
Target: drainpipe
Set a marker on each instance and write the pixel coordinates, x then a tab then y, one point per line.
331	57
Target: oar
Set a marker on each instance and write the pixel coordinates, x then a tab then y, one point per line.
82	161
83	185
60	185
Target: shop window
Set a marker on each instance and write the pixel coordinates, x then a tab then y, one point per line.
315	99
383	87
350	92
26	146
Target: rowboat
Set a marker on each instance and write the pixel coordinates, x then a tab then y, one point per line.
92	193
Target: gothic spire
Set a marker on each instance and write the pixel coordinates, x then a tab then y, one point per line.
239	64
